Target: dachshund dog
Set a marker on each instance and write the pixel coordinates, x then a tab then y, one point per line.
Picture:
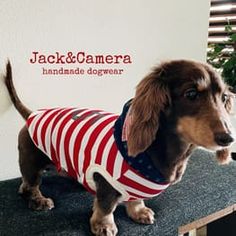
180	105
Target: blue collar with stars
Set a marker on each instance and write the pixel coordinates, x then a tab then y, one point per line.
142	163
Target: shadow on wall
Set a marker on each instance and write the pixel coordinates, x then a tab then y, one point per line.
5	101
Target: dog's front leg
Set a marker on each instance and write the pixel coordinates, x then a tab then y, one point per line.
137	211
102	221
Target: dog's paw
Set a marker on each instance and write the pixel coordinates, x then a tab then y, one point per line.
142	215
103	229
41	204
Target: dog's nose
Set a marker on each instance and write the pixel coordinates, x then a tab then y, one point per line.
223	139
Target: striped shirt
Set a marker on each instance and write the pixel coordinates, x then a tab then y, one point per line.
81	141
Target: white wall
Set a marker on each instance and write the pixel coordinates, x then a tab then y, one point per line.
149	31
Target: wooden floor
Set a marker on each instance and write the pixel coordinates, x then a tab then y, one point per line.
199	232
192	228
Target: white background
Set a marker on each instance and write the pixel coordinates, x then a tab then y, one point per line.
150	31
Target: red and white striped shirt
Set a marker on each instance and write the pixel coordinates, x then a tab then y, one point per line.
81	141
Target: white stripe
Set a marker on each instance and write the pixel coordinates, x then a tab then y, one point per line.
115	184
33	123
135	191
63	135
57	126
39	131
76	132
118	165
133	176
48	134
81	178
106	151
61	140
86	137
99	138
62	149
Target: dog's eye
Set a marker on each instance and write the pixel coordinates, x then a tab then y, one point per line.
225	97
191	94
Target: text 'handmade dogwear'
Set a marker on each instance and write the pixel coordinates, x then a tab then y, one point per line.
84	141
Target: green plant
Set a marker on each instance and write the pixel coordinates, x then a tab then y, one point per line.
222	56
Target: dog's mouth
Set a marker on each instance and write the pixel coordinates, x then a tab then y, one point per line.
214	147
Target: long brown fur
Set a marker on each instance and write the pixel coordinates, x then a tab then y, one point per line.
150	99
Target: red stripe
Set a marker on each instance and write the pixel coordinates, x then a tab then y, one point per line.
133	184
85	184
140	175
68	135
91	113
124	167
65	120
102	146
54	158
60	116
54	155
92	139
29	120
35	138
79	138
134	196
45	126
111	158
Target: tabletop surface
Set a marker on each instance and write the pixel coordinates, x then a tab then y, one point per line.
205	189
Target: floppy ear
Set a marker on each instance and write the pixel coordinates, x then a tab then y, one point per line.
151	97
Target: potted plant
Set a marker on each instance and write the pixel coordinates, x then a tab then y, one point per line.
222	56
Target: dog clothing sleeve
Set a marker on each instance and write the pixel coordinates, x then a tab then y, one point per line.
82	142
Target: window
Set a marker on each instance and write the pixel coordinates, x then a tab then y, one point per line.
221	12
221	52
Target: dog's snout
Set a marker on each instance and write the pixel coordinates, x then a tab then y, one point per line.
223	139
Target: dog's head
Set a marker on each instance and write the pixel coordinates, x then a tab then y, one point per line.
195	99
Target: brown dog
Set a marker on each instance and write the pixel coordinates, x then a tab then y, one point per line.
178	106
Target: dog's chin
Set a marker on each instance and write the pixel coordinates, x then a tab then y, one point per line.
215	147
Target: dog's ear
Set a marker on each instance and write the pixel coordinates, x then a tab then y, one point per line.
152	96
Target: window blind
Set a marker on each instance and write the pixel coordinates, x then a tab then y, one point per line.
221	13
